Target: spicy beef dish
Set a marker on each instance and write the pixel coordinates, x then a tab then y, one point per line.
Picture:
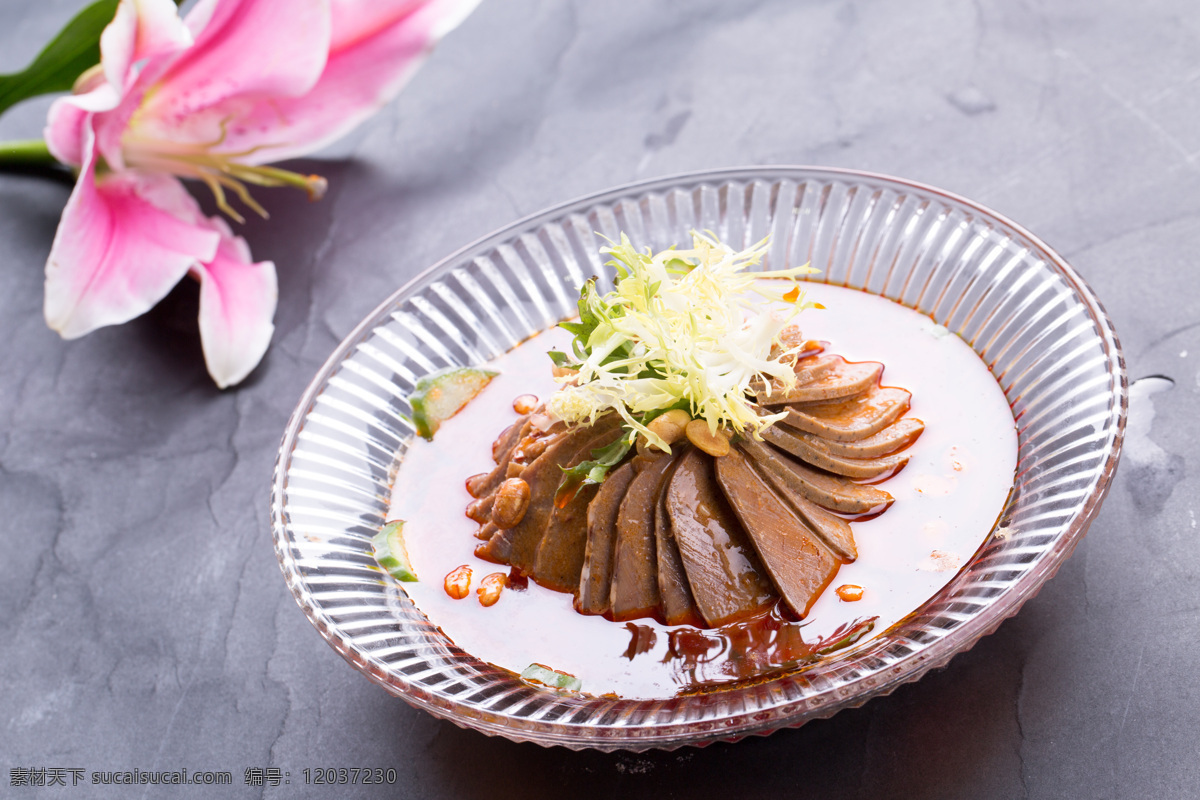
720	528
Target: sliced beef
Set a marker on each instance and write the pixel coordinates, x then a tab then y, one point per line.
507	440
799	563
678	605
813	451
807	369
897	436
724	573
518	545
595	578
829	491
559	559
635	559
485	483
834	530
852	419
843	379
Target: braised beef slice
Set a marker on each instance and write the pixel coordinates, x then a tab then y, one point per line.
678	605
813	451
518	545
635	559
724	573
829	491
807	369
844	379
484	484
832	529
595	577
897	436
560	555
851	419
799	563
507	440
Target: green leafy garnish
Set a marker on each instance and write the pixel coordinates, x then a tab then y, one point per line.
55	69
679	330
592	472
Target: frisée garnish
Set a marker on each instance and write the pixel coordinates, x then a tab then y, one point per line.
680	329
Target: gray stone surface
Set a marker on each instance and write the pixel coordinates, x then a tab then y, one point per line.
144	618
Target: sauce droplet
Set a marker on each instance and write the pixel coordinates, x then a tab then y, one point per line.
849	592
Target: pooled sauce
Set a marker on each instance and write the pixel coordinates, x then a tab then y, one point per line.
946	501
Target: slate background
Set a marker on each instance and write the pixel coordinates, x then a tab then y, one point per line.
144	618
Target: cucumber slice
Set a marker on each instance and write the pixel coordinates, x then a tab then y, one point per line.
390	552
439	396
537	673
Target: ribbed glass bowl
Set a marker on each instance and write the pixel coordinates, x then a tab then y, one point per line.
1034	322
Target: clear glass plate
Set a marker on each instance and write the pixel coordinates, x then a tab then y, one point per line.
1035	323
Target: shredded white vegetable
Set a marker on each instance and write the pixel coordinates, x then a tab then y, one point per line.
681	329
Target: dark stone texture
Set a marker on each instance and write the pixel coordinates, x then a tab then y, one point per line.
145	621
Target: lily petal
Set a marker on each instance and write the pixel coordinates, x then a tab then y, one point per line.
121	244
244	52
141	29
237	304
377	46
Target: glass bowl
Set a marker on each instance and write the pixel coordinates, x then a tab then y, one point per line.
1038	327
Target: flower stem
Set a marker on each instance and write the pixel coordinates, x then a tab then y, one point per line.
26	153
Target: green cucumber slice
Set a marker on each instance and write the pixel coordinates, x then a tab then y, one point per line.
439	396
537	673
390	552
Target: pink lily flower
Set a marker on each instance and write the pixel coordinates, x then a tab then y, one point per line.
212	97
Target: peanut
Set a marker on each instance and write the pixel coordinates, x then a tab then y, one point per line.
715	444
512	498
458	582
670	426
490	588
525	403
849	592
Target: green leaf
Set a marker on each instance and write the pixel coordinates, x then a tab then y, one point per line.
592	472
74	50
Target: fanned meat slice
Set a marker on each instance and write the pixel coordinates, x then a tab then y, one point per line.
844	379
799	563
834	530
485	483
595	578
724	573
807	369
813	451
897	436
829	491
559	559
507	440
518	545
853	419
678	605
635	559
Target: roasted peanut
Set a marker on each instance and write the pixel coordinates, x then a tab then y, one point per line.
715	444
458	582
490	588
525	403
670	426
512	498
563	372
849	592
